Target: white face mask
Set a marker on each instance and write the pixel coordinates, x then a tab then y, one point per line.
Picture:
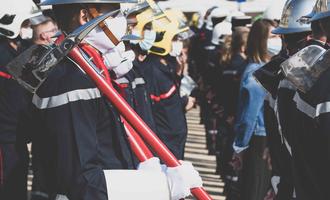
274	46
26	33
119	60
177	47
115	57
148	40
99	40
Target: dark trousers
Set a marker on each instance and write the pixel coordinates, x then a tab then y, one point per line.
13	174
255	175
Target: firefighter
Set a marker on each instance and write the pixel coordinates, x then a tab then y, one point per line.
44	28
83	130
220	29
201	51
14	157
163	83
295	36
133	82
310	146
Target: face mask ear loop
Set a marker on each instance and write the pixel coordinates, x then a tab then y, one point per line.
94	13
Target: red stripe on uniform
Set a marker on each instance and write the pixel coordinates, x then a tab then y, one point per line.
5	75
163	96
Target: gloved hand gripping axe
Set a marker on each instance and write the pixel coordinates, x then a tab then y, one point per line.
32	67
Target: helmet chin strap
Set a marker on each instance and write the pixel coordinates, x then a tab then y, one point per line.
103	26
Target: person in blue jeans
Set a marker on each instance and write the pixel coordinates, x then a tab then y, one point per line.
250	140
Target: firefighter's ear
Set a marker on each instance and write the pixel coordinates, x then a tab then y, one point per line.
84	16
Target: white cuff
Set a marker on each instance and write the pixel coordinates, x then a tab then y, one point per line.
239	149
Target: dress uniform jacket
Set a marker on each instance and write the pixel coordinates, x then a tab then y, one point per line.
311	142
83	130
167	105
136	94
289	105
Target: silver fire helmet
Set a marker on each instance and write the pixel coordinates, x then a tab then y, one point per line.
292	12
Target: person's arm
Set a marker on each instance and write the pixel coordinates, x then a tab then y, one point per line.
72	118
252	99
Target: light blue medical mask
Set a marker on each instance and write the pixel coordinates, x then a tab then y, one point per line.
274	46
148	40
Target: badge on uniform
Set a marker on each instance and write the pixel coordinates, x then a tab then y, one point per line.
305	67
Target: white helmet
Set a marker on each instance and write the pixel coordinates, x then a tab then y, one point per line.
13	13
215	13
221	29
274	11
292	12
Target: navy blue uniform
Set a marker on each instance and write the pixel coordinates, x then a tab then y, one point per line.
310	147
167	105
278	113
84	133
13	149
296	142
136	94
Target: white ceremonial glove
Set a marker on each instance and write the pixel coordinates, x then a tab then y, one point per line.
119	60
126	65
113	57
181	179
152	164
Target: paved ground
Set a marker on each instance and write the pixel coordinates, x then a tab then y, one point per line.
196	153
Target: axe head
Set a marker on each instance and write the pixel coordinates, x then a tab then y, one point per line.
32	67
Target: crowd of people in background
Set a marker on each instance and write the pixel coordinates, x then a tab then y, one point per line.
251	112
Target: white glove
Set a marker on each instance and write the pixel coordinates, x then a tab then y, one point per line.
126	65
152	164
119	60
181	179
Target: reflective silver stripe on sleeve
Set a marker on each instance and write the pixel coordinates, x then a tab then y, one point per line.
122	80
65	98
309	110
322	108
137	81
230	72
61	197
304	106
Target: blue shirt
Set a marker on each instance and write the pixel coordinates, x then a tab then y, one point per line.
250	117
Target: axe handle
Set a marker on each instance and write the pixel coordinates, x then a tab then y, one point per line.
130	115
104	27
139	148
